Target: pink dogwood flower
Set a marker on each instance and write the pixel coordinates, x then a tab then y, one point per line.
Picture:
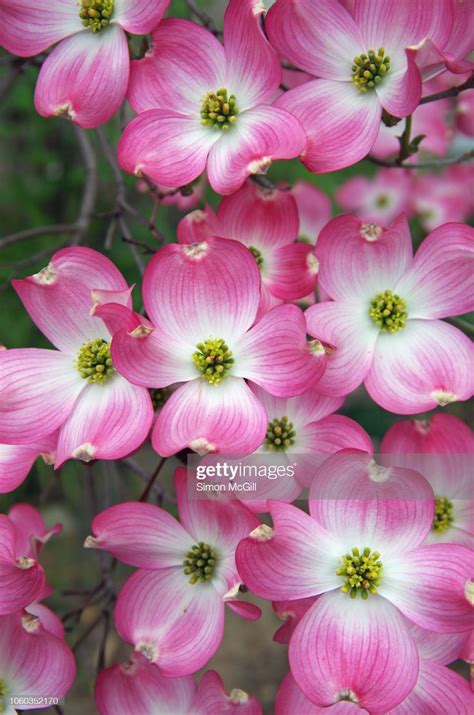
85	76
384	319
436	687
32	535
438	434
441	449
454	53
266	222
290	699
441	198
302	430
75	388
440	685
364	559
34	663
434	684
291	612
364	64
138	686
16	460
314	210
380	199
202	300
22	578
32	532
172	608
47	617
206	106
441	648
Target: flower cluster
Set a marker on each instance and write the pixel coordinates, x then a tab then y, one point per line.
203	104
36	665
356	576
257	325
434	199
232	358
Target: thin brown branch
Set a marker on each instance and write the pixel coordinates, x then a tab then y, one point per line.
267	183
110	158
106	564
451	92
155	192
434	164
137	469
405	142
89	194
134	213
146	492
130	241
147	250
120	199
122	206
37	232
88	631
202	16
103	642
44	254
109	236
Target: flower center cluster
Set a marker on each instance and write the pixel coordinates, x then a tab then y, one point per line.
361	572
258	255
219	110
213	359
388	311
159	396
382	201
280	434
94	362
369	70
443	516
200	562
96	14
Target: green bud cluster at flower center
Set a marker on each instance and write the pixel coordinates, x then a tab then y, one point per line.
388	311
361	571
258	255
280	434
3	693
159	396
213	359
200	563
443	516
94	362
382	201
96	14
219	110
369	70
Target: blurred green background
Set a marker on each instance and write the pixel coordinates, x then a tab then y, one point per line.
42	178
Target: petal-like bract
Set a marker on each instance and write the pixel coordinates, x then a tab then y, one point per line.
85	77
